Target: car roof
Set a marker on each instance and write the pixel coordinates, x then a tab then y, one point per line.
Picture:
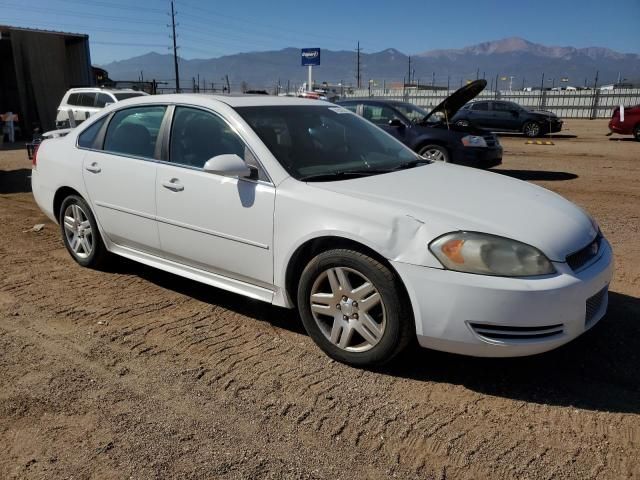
100	89
231	100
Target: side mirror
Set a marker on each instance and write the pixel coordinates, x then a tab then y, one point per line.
107	104
396	123
227	165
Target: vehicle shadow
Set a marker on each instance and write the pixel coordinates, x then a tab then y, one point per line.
549	136
278	317
15	181
597	371
6	146
541	175
623	139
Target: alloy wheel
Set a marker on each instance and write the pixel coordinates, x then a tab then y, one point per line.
435	155
348	309
532	129
77	230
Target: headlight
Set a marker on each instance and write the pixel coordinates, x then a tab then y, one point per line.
473	141
486	254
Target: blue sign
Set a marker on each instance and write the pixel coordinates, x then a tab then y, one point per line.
310	56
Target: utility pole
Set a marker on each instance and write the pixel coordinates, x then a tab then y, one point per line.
478	73
358	65
175	48
433	79
228	86
595	82
409	71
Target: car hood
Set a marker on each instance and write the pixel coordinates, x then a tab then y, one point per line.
448	198
454	102
546	113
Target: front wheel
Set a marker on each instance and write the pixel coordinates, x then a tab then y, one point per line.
352	307
531	129
434	152
80	232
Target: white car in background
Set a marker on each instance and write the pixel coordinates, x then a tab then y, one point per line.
303	204
78	104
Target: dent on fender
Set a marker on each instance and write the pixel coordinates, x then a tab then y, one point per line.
408	240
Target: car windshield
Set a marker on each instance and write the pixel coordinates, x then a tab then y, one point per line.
415	113
317	142
124	96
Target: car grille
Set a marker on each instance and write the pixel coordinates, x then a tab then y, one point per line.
585	255
490	139
504	332
594	305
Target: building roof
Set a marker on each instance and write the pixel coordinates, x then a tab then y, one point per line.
5	28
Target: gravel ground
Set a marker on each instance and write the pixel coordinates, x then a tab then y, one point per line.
133	372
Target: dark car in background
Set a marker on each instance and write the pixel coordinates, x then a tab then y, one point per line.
501	116
431	134
626	122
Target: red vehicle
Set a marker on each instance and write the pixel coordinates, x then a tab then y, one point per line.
629	124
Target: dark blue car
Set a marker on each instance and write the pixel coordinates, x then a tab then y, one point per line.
431	134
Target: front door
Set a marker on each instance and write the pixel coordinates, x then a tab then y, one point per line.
211	222
120	177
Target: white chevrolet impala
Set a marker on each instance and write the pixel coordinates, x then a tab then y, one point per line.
305	205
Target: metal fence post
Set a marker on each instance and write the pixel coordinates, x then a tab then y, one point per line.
594	105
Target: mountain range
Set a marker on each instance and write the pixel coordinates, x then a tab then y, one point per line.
525	61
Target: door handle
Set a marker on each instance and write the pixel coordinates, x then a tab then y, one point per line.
173	185
93	168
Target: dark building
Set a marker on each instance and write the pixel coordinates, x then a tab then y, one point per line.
38	67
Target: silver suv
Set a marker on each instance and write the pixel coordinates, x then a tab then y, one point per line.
78	104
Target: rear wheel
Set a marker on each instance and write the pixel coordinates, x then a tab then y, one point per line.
532	129
353	308
434	152
636	132
80	232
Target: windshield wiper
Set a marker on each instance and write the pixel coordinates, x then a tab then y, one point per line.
413	163
365	172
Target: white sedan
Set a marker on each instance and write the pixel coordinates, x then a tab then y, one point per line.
305	205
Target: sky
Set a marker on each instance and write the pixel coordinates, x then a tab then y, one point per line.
121	29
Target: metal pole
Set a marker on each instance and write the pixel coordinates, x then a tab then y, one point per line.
309	84
175	48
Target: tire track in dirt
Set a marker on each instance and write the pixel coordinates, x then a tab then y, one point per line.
230	349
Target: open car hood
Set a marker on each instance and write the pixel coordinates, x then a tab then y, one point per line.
454	102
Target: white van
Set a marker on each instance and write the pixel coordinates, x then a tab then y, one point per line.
78	104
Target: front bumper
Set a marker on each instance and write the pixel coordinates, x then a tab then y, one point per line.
448	306
481	157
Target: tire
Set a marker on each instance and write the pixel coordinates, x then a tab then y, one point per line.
80	233
462	123
636	132
435	152
335	317
532	129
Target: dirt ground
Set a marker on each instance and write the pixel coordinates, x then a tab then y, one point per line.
137	373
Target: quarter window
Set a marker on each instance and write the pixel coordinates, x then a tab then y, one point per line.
197	136
74	99
134	131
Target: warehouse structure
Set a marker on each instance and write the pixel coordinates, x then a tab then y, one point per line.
38	67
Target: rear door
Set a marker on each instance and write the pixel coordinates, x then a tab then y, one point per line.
480	115
120	173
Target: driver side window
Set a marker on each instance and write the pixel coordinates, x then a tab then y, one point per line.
197	136
378	114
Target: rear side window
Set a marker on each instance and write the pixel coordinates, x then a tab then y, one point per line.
134	131
350	106
197	136
480	106
87	99
87	138
102	99
124	96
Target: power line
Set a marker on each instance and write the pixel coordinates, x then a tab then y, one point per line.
175	48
